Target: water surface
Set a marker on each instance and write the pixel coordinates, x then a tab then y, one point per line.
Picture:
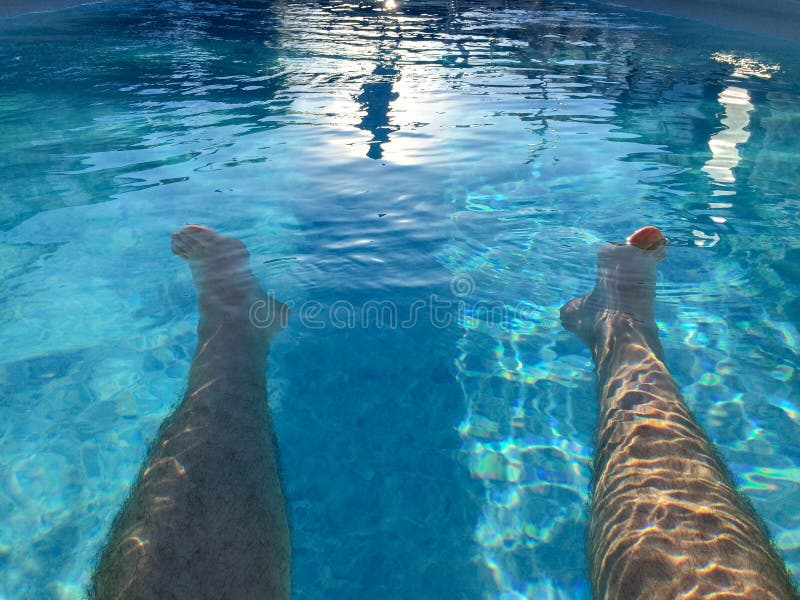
435	179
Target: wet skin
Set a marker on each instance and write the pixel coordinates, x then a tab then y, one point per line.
206	517
666	520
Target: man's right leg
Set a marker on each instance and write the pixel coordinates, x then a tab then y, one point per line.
666	521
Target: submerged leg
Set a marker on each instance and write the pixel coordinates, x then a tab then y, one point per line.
666	521
206	517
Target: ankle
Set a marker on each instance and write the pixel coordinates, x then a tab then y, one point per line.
617	334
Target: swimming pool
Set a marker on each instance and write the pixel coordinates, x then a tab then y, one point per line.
434	178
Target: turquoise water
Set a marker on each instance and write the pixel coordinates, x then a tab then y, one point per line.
457	163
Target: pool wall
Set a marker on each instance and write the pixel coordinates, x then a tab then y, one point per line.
779	18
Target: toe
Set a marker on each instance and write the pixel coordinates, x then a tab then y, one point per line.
195	241
197	229
198	234
180	244
187	241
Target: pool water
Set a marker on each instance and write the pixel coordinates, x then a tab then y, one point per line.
426	183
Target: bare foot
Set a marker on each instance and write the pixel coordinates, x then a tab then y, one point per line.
226	287
625	286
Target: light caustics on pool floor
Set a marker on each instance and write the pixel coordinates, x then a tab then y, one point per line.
389	148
